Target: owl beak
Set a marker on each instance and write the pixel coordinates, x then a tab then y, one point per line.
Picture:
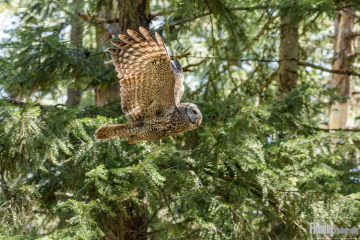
198	121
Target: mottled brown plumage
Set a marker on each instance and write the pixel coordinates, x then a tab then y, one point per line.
151	89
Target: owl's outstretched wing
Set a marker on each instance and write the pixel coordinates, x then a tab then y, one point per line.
146	72
179	81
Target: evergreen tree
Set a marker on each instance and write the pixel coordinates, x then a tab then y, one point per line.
262	165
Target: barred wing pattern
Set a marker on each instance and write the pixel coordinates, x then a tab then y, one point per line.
179	81
147	75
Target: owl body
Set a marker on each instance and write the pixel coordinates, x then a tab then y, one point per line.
151	89
170	123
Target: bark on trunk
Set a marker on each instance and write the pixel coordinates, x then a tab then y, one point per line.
131	15
339	117
74	96
76	37
288	55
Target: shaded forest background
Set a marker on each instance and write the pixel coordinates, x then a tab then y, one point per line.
278	85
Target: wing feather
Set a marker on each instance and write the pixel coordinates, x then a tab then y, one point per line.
147	78
161	43
136	36
179	81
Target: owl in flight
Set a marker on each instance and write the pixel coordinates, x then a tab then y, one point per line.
151	89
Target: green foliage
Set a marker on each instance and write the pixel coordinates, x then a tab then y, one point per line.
40	63
256	168
251	168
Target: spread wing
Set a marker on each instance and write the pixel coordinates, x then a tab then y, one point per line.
146	72
179	80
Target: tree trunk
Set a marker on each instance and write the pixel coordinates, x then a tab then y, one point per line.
76	37
339	116
74	96
288	55
131	15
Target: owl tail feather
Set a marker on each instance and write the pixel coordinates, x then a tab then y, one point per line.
112	131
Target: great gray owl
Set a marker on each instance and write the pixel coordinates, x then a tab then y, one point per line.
151	89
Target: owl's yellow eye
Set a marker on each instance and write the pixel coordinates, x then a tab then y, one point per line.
194	112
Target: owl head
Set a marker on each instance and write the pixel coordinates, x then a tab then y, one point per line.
194	114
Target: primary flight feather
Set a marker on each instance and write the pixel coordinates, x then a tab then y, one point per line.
151	89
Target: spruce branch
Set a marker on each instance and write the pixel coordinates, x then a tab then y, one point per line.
158	13
187	67
5	188
189	19
329	130
267	83
301	63
167	203
16	103
184	55
306	64
179	22
256	38
88	17
88	111
250	8
153	15
161	12
261	33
